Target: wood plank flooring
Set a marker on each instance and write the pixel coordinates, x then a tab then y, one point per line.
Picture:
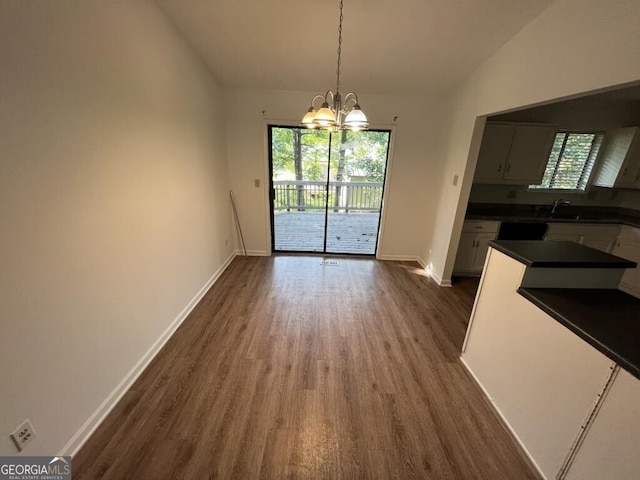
291	369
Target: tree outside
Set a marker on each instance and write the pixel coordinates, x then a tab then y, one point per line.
306	157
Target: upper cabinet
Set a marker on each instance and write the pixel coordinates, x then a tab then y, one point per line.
620	160
514	153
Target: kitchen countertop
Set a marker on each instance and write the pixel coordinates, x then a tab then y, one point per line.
526	218
558	254
607	319
542	214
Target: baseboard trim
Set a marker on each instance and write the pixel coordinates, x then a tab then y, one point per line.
253	253
83	434
399	258
527	456
438	279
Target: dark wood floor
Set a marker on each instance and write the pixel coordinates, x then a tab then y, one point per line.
292	369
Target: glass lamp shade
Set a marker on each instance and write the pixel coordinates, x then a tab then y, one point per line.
307	120
324	117
356	119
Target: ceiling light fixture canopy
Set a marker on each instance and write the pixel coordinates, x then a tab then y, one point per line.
334	114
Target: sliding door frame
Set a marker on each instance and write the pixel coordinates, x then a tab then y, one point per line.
270	191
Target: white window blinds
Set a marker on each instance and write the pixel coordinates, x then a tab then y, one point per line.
571	161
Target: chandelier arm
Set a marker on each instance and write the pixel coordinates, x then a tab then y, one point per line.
315	98
350	97
326	98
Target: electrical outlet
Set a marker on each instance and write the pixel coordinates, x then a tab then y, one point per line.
23	435
256	183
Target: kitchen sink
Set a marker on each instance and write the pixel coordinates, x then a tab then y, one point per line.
522	230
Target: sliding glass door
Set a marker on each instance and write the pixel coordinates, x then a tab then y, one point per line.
326	189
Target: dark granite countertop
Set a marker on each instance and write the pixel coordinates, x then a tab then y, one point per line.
607	319
558	254
542	214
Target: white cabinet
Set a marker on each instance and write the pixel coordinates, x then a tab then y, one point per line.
619	164
514	153
598	236
611	448
541	377
494	152
628	246
474	243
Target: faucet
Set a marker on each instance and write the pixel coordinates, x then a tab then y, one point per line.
559	203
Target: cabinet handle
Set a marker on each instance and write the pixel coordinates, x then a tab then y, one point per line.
508	168
499	167
624	172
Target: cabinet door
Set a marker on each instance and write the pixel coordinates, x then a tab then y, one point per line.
529	154
494	152
630	250
604	244
633	159
620	162
466	252
569	237
482	247
629	174
541	377
611	448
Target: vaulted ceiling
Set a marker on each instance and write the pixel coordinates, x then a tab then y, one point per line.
389	46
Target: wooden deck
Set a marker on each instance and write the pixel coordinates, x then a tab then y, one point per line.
346	232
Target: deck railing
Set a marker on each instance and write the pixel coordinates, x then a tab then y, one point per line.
303	196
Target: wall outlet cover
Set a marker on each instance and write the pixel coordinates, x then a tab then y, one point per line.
23	435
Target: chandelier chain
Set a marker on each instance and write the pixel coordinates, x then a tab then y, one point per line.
339	48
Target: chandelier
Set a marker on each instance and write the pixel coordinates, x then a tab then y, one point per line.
334	114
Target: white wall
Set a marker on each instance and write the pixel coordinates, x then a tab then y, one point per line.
414	169
113	203
574	46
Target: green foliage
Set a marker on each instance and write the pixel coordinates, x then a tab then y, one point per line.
314	145
365	153
570	161
343	156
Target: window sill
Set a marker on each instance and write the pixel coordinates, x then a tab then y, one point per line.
558	190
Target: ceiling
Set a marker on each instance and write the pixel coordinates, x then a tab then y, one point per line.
412	47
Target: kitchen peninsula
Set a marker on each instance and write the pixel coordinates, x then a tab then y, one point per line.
556	349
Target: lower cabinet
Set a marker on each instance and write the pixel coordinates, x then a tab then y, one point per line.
473	247
600	237
541	377
628	246
611	447
560	397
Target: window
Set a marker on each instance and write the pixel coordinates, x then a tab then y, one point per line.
571	161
